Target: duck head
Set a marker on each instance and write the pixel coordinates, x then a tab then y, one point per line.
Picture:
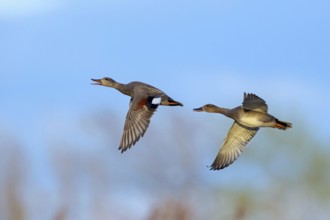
206	108
105	81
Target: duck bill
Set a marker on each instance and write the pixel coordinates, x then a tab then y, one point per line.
97	82
198	109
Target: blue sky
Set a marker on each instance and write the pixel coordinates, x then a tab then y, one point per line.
51	49
196	51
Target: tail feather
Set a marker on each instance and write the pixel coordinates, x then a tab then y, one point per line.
172	102
175	103
282	124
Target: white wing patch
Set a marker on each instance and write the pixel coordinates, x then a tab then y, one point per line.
156	100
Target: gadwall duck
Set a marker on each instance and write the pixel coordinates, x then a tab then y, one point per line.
144	102
248	119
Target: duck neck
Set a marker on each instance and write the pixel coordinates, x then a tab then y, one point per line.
224	111
121	88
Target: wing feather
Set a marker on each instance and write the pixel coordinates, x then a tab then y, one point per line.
137	121
255	103
237	138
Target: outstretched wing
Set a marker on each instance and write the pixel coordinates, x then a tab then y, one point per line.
137	121
237	138
255	103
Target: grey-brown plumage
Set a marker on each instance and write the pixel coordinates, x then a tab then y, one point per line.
248	119
143	104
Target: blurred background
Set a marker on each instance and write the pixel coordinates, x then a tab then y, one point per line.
59	134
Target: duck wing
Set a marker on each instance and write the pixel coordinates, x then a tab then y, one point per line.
237	138
137	120
254	103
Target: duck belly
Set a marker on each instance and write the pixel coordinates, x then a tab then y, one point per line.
254	121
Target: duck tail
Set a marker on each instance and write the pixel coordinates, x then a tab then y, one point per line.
172	102
283	125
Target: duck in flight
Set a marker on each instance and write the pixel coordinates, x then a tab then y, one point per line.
144	101
248	118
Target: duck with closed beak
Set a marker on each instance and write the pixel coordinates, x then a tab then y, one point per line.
248	118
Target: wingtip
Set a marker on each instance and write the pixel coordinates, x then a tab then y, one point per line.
220	166
121	149
213	168
210	168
